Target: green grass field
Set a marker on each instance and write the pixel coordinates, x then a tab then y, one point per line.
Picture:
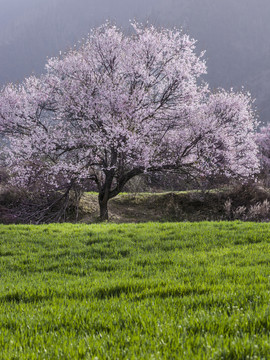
137	291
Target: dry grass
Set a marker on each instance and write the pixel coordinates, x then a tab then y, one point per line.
169	206
174	206
165	206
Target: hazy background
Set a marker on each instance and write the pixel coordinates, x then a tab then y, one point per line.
235	34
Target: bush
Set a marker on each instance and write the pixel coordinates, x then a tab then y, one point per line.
248	203
20	206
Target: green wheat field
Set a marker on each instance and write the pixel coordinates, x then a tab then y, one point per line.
135	291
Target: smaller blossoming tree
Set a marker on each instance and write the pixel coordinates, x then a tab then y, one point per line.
263	141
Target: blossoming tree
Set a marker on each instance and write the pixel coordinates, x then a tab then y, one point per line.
120	106
263	141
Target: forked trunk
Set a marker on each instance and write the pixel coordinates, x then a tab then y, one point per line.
107	193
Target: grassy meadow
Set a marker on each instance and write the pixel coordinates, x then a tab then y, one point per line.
135	291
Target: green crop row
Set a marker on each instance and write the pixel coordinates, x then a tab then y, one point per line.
137	291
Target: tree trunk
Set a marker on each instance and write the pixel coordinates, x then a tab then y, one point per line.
105	192
103	209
